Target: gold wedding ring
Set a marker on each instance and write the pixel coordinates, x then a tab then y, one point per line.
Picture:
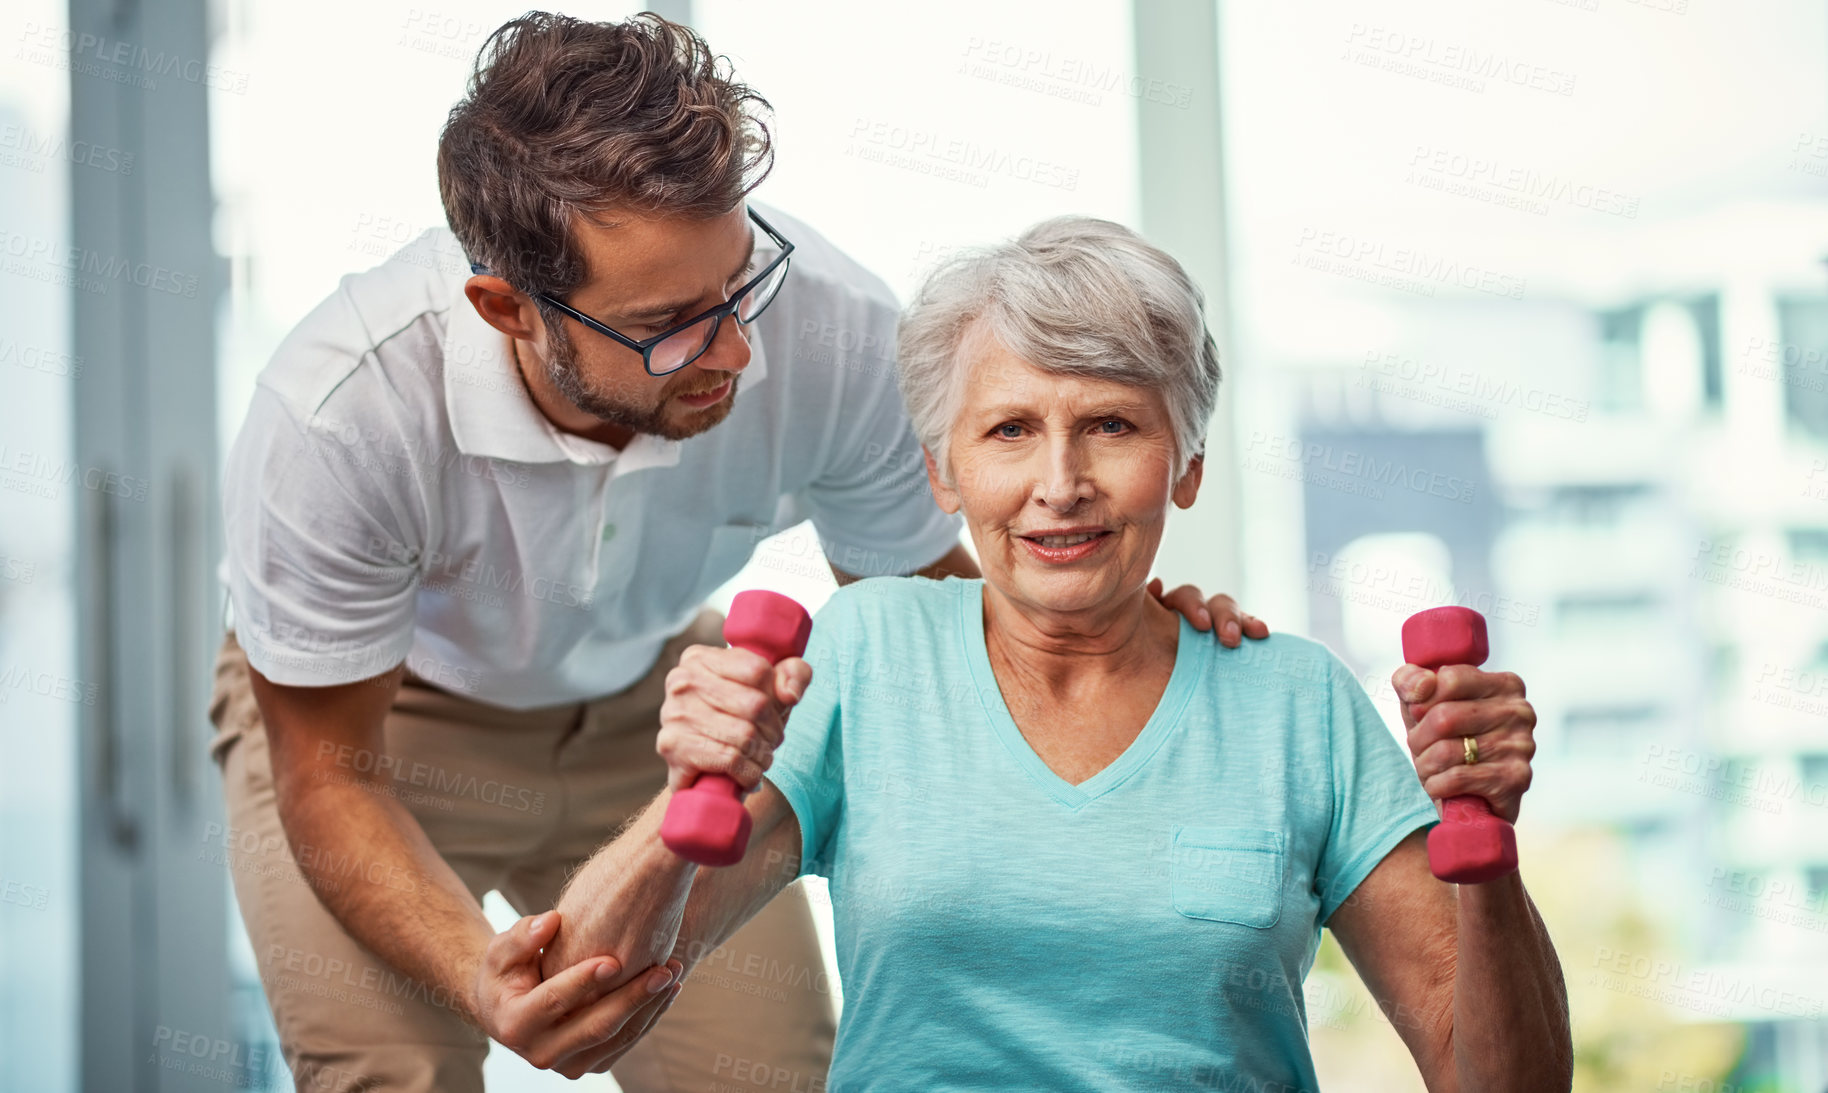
1470	747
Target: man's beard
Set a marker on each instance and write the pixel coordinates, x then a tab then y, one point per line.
562	370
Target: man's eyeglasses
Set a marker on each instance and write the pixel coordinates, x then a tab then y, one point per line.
679	345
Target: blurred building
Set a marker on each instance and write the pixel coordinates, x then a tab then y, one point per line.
1634	491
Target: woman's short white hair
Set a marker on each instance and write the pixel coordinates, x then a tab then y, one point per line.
1073	296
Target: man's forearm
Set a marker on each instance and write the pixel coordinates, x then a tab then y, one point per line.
956	562
390	889
1510	1003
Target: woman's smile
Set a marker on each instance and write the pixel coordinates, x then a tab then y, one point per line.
1067	545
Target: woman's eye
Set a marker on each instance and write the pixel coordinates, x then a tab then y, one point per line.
1117	421
1008	425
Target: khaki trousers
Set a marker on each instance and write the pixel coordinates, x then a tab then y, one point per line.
514	800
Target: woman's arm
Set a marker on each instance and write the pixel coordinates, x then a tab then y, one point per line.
725	712
1470	981
1467	974
639	902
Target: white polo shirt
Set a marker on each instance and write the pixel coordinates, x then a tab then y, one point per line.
395	494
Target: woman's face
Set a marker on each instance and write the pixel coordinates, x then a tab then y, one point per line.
1037	456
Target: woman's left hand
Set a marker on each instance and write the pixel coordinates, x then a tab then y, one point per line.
1221	613
1442	708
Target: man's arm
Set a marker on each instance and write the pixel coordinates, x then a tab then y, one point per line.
405	903
956	562
401	900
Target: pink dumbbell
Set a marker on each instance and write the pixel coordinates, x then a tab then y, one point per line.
706	822
1471	844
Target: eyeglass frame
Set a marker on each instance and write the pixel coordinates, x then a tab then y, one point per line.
645	346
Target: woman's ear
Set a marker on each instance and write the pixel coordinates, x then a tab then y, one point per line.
1188	488
942	493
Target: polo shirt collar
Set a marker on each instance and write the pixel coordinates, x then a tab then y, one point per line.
493	416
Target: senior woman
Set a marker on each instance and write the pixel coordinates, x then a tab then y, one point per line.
1070	844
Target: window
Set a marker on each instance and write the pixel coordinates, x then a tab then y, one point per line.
1802	326
1620	381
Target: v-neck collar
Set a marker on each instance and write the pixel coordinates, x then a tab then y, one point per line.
1189	657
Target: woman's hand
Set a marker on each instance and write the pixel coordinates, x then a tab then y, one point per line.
1441	708
576	1022
1221	613
725	713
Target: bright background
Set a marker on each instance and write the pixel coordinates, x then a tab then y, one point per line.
1594	324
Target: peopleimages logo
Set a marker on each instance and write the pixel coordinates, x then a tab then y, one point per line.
120	61
1459	63
88	264
1384	585
1535	189
21	146
928	151
1077	79
1350	470
1461	389
431	777
1407	268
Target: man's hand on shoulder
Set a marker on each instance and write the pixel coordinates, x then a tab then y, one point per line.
1221	613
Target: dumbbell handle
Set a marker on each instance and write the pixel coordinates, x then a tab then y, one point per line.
1471	844
706	822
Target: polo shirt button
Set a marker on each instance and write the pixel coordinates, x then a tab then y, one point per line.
609	532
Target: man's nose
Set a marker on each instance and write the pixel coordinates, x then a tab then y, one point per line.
729	349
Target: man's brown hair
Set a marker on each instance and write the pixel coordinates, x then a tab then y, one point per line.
566	118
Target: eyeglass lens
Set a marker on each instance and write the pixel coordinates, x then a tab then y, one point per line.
685	346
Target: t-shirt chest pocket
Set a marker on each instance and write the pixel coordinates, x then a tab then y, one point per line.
1227	874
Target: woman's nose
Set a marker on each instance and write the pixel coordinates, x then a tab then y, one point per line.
1064	483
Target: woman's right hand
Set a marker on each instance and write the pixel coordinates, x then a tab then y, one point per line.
725	713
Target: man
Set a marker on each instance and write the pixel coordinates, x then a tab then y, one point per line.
472	517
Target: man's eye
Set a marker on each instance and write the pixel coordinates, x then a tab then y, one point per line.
1117	421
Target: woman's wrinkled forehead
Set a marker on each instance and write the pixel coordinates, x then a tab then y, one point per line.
995	381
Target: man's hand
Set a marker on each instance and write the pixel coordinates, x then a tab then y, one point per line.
1440	708
1220	613
576	1022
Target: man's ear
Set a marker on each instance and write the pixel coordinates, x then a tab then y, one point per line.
942	493
1188	488
503	308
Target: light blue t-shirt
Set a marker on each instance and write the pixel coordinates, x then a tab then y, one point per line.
998	928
